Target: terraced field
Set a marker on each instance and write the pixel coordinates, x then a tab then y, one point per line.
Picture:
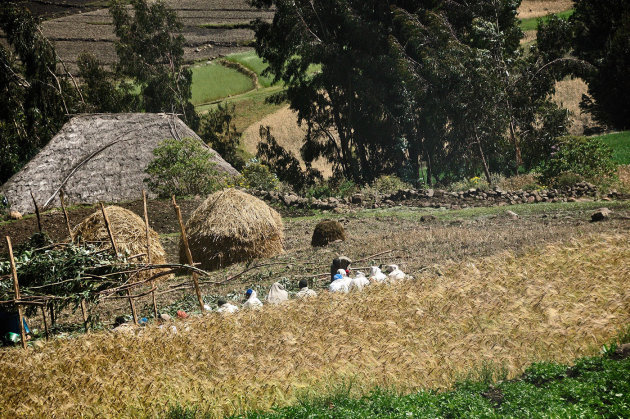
212	28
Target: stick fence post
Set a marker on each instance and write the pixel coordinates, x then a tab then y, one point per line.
45	321
16	289
188	253
146	227
84	313
65	215
113	241
39	219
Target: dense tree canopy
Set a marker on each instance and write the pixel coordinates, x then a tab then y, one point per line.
602	38
406	82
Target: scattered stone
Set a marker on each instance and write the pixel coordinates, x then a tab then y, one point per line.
15	215
428	218
571	199
512	214
601	214
181	314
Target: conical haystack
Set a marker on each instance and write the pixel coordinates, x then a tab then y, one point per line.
129	234
231	226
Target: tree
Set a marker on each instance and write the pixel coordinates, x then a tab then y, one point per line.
601	32
102	91
150	50
219	132
408	82
183	168
35	100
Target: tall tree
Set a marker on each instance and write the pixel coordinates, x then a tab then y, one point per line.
35	100
150	50
602	38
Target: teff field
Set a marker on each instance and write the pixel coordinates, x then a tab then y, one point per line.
551	300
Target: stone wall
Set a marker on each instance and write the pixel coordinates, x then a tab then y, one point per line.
439	198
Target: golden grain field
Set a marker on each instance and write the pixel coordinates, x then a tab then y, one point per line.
556	302
539	8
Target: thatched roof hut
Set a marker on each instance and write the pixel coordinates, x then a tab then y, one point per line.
97	157
231	226
129	234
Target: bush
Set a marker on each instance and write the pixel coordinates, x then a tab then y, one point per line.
389	184
339	188
256	175
589	158
183	168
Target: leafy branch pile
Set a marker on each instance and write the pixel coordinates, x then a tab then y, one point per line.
61	275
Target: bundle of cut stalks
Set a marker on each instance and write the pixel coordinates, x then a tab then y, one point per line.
129	234
231	226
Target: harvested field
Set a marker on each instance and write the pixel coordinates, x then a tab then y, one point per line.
86	29
568	95
287	132
538	8
555	302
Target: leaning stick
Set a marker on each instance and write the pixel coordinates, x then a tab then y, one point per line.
146	227
65	215
39	220
113	241
16	289
188	253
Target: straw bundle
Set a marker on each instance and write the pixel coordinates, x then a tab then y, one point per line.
328	231
129	233
231	226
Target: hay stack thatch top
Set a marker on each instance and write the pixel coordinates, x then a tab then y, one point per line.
129	234
231	226
102	156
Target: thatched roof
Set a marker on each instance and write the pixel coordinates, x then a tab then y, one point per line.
231	226
105	156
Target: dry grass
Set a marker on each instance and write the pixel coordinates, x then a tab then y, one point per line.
538	8
568	95
129	234
555	302
287	132
232	226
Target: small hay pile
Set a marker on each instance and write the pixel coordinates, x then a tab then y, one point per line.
231	226
328	231
129	233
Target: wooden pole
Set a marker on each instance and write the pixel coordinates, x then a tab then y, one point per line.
188	253
16	289
65	215
39	219
146	227
45	322
113	241
84	313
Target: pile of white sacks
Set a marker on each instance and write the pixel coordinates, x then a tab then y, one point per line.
342	282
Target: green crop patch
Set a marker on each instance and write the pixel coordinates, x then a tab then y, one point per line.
531	24
620	143
214	81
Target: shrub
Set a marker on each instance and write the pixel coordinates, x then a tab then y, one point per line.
526	182
389	184
589	158
340	188
183	168
256	175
